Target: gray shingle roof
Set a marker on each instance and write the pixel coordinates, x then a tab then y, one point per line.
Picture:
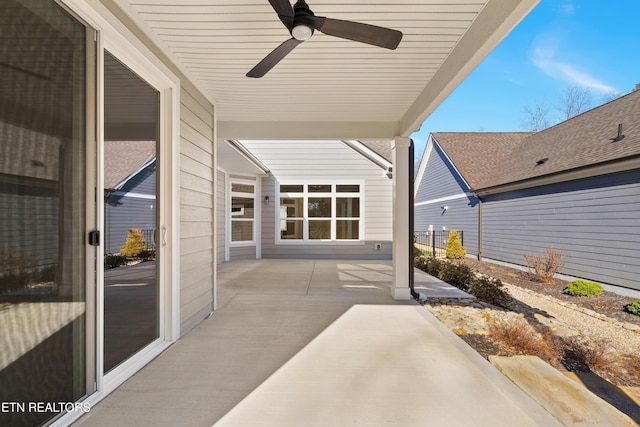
478	156
123	158
382	147
489	159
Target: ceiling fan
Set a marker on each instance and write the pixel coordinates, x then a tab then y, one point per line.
301	23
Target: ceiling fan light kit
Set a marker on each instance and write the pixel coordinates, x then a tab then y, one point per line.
302	22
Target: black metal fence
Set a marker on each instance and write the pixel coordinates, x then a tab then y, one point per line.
150	238
434	242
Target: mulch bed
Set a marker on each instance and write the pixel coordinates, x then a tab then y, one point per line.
610	304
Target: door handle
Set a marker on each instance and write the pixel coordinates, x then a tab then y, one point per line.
164	235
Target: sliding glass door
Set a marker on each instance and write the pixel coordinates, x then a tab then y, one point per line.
43	211
131	168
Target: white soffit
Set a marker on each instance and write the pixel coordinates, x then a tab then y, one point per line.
327	87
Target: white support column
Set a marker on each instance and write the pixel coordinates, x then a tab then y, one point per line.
400	286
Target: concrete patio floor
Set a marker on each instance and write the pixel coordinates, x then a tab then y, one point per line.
317	343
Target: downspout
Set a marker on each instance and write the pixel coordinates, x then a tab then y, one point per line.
416	295
477	196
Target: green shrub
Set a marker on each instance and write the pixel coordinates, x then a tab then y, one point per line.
147	255
113	261
431	265
455	250
458	275
582	288
134	245
462	277
489	290
634	307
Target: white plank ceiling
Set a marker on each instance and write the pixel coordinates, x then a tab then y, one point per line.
326	87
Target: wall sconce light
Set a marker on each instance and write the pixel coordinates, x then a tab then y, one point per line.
444	208
266	200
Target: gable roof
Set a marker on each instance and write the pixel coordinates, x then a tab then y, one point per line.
123	159
587	141
478	156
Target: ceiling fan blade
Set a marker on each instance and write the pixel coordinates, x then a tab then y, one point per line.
356	31
285	11
273	58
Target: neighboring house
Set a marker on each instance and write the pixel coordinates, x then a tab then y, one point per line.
305	199
129	191
574	187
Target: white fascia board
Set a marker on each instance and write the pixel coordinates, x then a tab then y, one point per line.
248	156
369	154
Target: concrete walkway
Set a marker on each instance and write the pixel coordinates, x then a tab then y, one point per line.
304	343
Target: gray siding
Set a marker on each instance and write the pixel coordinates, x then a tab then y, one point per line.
440	181
196	208
594	221
122	213
440	178
242	252
314	161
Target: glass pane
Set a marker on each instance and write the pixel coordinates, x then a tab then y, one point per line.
42	209
130	169
291	229
320	189
319	229
291	188
319	207
347	207
241	207
291	207
347	188
347	230
242	188
241	231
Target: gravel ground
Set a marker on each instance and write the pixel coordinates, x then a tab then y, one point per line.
609	304
599	319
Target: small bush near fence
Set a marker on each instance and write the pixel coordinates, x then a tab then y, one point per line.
545	265
634	307
582	288
113	261
489	290
455	250
134	245
462	277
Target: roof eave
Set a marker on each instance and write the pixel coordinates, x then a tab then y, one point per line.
604	168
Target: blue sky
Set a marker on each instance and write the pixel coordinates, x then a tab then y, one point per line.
590	44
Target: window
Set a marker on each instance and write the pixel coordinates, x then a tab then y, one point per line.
242	212
320	212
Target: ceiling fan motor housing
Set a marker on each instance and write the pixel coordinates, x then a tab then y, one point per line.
303	25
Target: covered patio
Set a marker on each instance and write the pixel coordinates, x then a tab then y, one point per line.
323	344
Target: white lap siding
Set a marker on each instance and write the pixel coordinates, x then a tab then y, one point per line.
196	208
333	162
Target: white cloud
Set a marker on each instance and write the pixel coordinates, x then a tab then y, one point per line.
568	8
545	59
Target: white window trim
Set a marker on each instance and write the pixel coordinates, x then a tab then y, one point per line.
256	211
334	195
